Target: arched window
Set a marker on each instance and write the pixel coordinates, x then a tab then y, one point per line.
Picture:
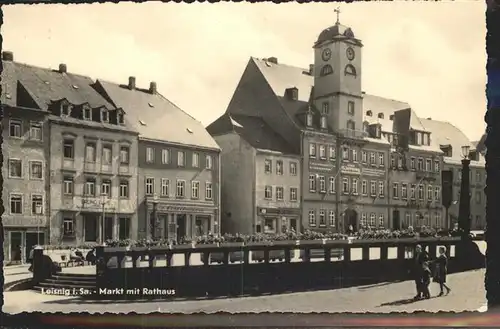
326	70
350	70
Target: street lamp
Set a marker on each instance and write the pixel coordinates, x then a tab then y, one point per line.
153	219
103	203
38	213
464	206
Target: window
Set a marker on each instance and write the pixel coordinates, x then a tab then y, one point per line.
106	187
36	204
354	155
331	152
364	187
268	192
381	188
124	155
345	185
68	149
181	159
381	221
412	163
393	160
326	70
208	162
195	190
36	170
437	193
16	204
123	189
312	183
412	191
150	155
420	192
165	187
322	218
90	152
430	196
478	196
15	168
87	114
293	168
15	129
373	188
354	186
436	166
364	157
323	122
195	160
331	218
381	159
408	220
104	115
350	107
404	191
426	219
309	119
363	220
372	219
268	166
312	150
428	165
372	158
68	227
437	219
322	152
293	193
208	191
325	108
420	164
89	189
279	193
36	131
312	218
345	153
124	228
66	110
279	167
331	181
106	154
322	184
68	185
150	186
350	70
181	188
165	156
120	118
395	190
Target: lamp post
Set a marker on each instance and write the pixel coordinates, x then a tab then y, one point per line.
38	213
464	207
153	219
102	225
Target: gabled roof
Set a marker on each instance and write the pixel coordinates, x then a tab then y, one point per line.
444	133
155	117
46	86
253	130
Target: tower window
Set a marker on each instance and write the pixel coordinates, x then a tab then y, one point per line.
326	70
350	70
350	107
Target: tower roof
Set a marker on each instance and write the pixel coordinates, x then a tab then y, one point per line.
332	32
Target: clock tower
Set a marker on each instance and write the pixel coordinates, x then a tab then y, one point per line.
337	79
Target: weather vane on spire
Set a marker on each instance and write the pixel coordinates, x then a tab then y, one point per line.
337	11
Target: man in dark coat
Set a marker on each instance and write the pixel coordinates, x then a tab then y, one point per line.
420	259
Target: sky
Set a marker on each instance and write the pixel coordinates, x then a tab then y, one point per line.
429	54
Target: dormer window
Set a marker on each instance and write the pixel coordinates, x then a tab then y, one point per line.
368	113
323	122
309	119
104	115
120	118
292	93
381	115
65	109
87	113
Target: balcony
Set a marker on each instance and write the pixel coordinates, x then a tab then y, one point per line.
352	133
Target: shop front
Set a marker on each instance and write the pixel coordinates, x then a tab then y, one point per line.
277	220
20	235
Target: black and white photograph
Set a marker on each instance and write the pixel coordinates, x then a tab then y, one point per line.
239	157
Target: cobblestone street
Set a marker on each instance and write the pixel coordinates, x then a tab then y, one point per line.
468	295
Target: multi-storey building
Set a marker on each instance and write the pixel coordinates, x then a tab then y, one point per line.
451	140
24	151
179	165
261	177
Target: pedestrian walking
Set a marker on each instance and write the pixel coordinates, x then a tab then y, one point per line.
419	259
441	271
426	280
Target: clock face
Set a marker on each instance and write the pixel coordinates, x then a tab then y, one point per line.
350	53
327	53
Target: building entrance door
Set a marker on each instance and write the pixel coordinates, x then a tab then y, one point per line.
16	246
33	239
396	223
293	224
181	227
108	228
351	219
90	227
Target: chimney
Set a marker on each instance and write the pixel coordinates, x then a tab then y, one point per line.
311	69
8	56
63	68
152	87
273	60
131	83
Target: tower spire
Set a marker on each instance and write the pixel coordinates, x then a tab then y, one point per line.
337	11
